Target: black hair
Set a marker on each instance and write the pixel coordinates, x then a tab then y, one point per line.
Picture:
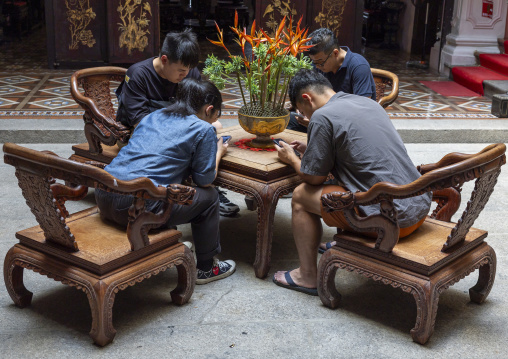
181	46
324	40
305	80
192	95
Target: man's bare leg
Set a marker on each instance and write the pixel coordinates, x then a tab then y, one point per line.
307	232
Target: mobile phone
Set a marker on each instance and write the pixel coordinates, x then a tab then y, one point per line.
277	142
225	139
296	114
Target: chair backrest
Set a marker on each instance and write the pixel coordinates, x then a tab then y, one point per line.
37	173
101	125
452	171
383	80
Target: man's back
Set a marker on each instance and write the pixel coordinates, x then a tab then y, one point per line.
353	137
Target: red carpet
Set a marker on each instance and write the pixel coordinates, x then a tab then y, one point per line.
495	62
449	88
473	77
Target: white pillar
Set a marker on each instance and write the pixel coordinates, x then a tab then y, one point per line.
472	30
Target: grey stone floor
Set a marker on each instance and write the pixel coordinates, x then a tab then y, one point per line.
245	317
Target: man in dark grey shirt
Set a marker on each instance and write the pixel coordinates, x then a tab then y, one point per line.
353	138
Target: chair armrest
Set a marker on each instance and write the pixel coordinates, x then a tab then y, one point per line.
37	171
88	103
450	173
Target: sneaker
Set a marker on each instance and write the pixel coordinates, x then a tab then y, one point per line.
219	270
227	209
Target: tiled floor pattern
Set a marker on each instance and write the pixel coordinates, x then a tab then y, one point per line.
34	95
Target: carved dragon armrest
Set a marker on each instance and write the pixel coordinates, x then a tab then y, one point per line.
97	115
385	223
141	221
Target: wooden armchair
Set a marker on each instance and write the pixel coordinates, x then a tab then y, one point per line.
420	263
384	79
101	126
85	252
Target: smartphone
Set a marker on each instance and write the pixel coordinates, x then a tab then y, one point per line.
225	139
277	140
297	115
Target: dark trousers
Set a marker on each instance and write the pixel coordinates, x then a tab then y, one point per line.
294	125
202	214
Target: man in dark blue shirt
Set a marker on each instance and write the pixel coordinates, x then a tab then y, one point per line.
347	71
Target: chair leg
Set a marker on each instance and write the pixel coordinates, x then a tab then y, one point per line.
486	277
101	297
186	278
327	268
13	277
427	300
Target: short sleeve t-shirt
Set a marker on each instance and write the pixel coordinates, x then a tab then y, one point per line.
167	149
354	76
353	138
142	84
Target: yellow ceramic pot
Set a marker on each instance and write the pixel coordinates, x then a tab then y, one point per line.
263	127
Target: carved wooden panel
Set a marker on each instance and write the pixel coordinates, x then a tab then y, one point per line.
39	198
344	17
75	31
133	30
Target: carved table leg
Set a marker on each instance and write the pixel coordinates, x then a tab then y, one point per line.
186	278
481	290
13	277
101	298
266	211
327	268
266	195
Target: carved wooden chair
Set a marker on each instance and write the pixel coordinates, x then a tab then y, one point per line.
420	263
385	79
91	90
85	252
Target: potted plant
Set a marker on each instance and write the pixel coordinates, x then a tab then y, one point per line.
262	74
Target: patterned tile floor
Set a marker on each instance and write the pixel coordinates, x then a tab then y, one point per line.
29	90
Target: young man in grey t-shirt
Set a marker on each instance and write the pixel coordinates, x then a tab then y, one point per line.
353	138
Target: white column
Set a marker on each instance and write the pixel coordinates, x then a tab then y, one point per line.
473	31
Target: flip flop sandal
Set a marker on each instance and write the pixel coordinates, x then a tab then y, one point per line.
293	286
328	245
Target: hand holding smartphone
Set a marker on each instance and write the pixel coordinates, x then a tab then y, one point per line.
277	142
225	139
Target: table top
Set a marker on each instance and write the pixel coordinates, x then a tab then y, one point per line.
261	165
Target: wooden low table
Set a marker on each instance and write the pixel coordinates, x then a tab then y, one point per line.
259	174
263	176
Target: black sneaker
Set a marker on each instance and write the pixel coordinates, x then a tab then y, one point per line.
227	209
219	270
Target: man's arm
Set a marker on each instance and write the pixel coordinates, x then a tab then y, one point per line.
134	102
287	155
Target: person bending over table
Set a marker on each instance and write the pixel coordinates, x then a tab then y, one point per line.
167	146
353	138
347	71
151	84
